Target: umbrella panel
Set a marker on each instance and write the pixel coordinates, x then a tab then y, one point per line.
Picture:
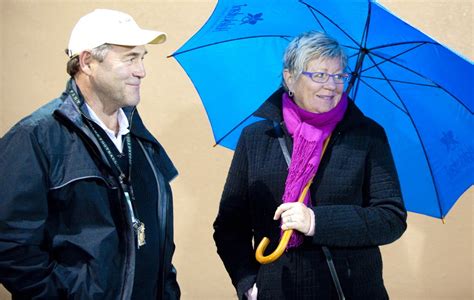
231	91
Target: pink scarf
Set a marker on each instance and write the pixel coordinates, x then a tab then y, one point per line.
309	131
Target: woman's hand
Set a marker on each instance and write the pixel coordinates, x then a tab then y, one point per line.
296	216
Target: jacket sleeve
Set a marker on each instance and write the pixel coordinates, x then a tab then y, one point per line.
232	227
382	217
26	269
171	289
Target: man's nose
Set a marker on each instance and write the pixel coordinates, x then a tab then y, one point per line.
139	70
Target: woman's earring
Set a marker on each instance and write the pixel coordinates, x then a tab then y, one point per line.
290	93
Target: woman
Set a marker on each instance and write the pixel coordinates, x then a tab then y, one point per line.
354	203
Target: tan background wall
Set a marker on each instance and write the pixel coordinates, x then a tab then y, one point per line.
431	261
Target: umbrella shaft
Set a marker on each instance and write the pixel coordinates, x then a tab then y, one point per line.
355	74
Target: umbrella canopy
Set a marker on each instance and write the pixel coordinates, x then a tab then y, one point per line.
417	89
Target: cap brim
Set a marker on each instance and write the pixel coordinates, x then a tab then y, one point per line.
159	39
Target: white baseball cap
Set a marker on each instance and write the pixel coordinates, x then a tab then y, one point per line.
112	27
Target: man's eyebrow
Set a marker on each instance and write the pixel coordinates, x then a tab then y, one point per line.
136	53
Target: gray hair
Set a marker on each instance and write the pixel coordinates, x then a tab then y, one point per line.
98	53
308	46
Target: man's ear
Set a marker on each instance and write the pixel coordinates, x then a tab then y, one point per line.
85	60
289	79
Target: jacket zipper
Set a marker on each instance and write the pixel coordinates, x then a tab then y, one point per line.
129	273
162	218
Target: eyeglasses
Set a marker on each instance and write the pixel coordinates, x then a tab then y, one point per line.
322	77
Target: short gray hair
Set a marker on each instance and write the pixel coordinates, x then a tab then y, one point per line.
97	53
308	46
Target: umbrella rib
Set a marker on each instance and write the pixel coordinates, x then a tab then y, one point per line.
428	79
365	35
314	15
361	54
390	59
417	133
383	96
327	18
400	81
230	131
351	47
351	56
404	43
232	40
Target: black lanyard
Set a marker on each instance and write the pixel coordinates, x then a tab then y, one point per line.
125	182
123	179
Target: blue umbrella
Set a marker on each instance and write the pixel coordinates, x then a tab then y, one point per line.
417	89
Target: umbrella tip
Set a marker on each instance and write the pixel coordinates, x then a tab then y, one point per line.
443	220
214	145
168	56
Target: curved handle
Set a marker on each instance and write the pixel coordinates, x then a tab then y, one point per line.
283	241
287	233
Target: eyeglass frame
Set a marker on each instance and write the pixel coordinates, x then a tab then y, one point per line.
346	77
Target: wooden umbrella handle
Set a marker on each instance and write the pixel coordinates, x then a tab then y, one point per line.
283	241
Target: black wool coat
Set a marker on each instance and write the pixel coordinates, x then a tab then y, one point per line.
356	200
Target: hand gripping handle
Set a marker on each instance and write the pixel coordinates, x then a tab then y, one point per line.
283	241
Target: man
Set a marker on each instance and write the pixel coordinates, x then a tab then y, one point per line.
85	201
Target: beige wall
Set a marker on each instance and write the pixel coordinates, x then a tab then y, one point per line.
431	261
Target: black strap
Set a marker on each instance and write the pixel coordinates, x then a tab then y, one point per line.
327	253
332	269
125	182
103	144
281	140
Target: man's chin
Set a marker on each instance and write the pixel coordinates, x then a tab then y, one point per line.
133	100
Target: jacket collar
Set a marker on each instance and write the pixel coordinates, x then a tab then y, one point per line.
271	110
74	114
